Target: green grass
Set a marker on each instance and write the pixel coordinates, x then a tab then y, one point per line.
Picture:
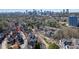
51	45
46	41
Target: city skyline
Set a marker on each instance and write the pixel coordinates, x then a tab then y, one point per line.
23	10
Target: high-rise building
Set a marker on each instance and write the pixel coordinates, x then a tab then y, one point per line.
73	21
67	11
63	10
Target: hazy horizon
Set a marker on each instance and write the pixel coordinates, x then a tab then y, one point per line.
23	10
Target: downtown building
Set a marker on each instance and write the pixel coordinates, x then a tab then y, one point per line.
73	21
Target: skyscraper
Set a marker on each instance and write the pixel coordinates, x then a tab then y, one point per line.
67	11
63	10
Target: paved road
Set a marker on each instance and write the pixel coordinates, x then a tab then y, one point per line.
4	44
24	46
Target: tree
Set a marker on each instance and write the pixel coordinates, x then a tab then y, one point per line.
3	25
52	24
37	45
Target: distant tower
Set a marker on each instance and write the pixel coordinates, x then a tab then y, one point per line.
67	11
63	11
41	12
26	12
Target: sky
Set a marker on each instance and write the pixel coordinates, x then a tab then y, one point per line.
23	10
